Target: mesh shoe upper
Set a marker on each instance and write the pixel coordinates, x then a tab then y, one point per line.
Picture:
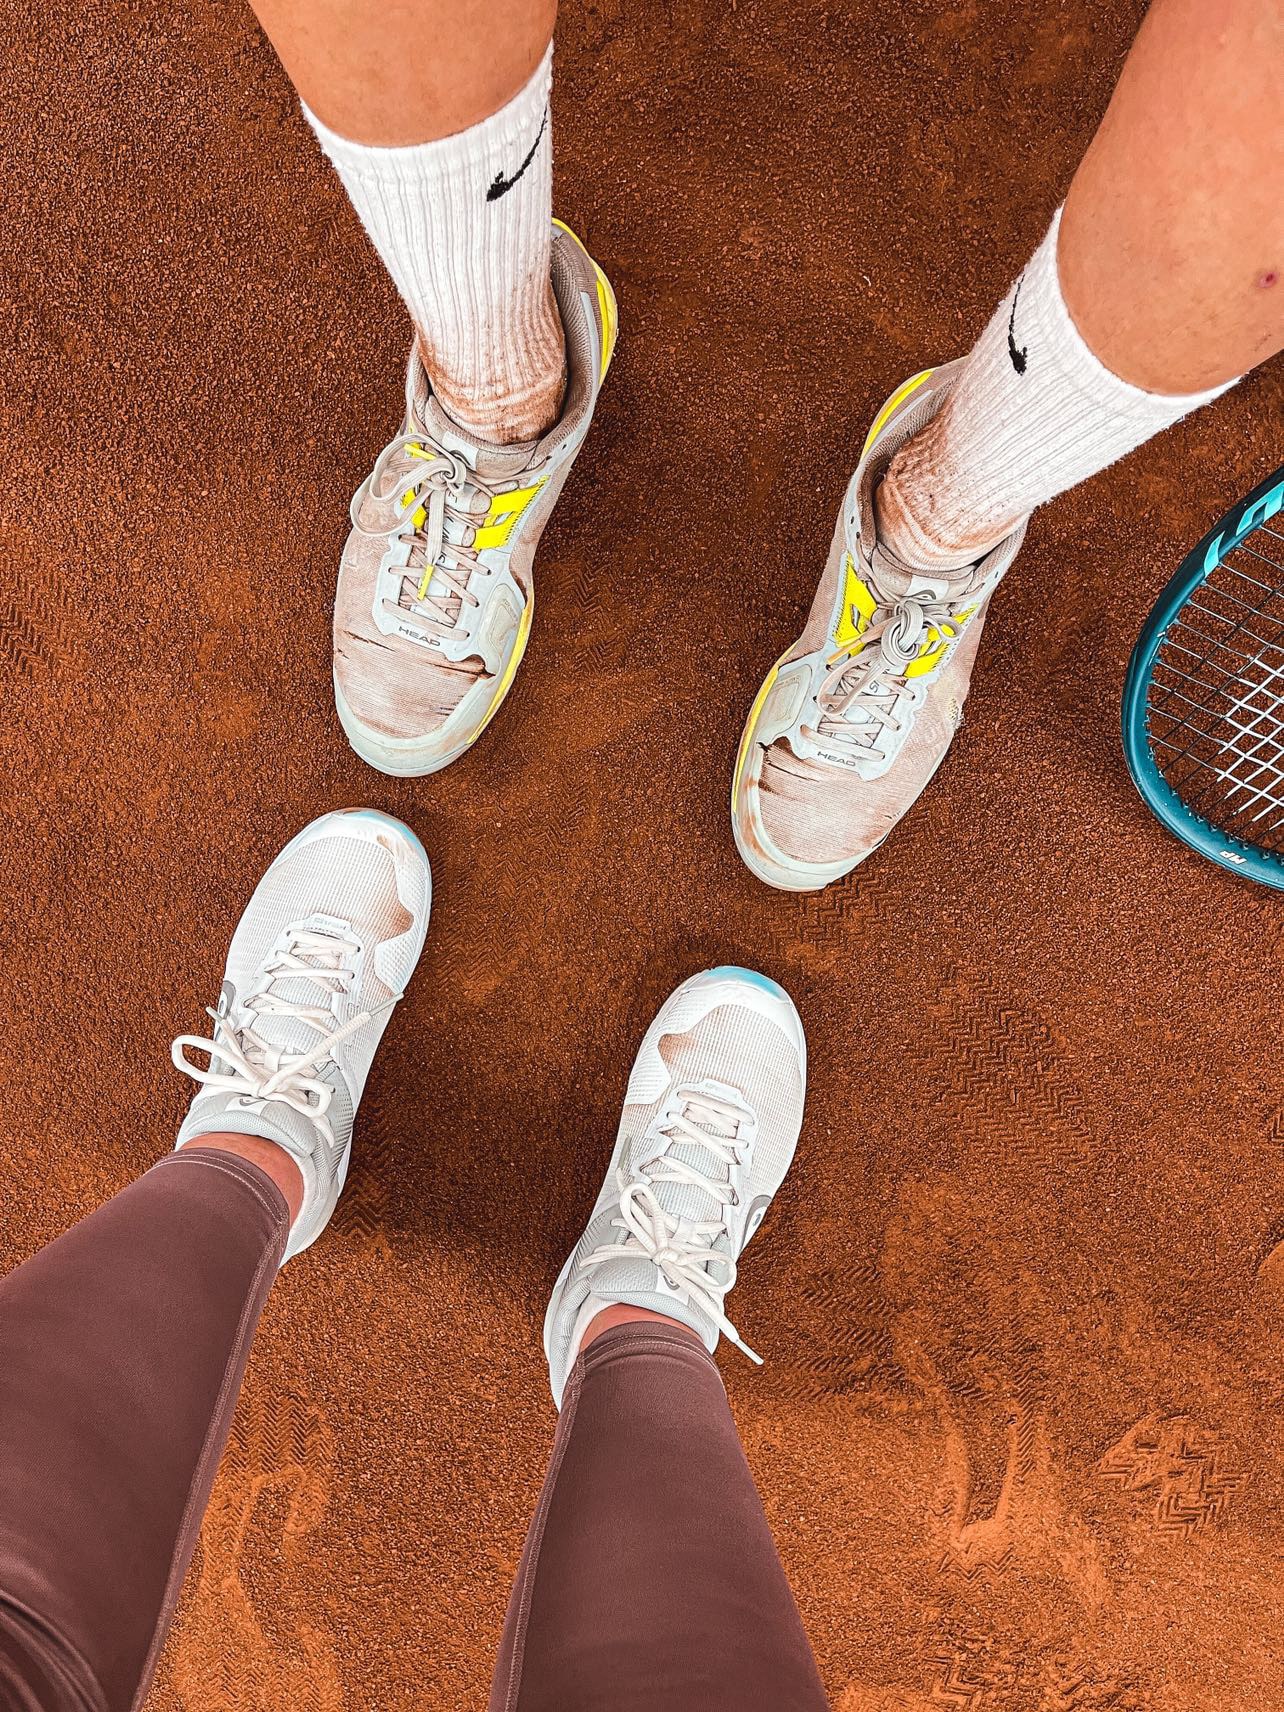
820	814
862	709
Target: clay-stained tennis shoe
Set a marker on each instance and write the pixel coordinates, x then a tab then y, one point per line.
855	718
710	1122
433	608
321	955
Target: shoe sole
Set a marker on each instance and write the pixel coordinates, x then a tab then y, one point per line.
788	878
411	758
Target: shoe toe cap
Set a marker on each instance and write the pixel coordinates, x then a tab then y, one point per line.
816	815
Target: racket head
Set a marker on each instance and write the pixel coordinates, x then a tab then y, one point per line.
1203	703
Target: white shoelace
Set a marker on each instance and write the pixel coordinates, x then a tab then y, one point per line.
861	698
260	1070
682	1249
435	587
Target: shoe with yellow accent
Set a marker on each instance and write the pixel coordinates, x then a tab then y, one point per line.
435	595
858	714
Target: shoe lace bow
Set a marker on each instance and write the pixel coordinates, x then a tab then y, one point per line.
681	1249
258	1068
863	692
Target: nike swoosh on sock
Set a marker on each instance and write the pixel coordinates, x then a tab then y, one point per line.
501	185
1019	357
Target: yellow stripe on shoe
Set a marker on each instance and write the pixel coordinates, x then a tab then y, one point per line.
894	403
610	319
747	738
608	309
858	609
510	670
501	518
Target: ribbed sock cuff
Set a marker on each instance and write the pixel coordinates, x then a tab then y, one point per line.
1033	413
464	226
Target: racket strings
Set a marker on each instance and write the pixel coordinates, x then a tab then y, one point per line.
1215	703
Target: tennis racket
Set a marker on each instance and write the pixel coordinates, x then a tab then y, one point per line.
1203	705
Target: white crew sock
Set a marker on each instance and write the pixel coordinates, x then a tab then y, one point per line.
464	226
1033	413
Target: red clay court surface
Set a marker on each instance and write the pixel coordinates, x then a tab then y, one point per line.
1020	1428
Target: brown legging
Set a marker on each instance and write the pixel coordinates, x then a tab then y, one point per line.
649	1579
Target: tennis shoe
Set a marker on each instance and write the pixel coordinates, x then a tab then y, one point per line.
435	596
857	715
321	955
709	1126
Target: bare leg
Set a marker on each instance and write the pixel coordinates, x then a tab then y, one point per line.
622	1314
1166	283
394	72
1172	241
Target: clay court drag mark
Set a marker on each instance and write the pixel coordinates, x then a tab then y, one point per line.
32	628
1012	1090
960	1332
363	1206
234	1651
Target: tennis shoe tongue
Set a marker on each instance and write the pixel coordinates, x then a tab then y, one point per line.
492	463
893	579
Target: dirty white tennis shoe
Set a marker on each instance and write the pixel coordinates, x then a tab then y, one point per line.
855	718
710	1121
323	952
435	596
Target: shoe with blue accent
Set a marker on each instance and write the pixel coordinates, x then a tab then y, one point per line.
323	952
710	1122
855	718
433	608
